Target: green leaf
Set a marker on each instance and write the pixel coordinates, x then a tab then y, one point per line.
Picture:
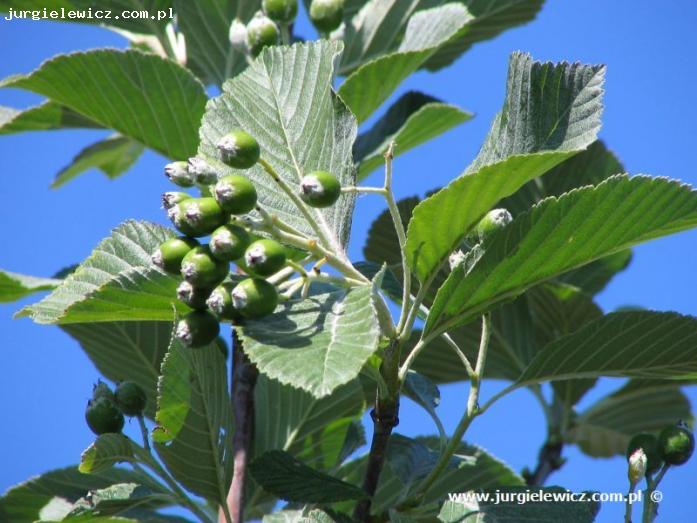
550	113
119	499
128	350
412	120
106	451
641	344
194	433
305	515
284	99
562	234
422	391
142	96
205	25
382	245
605	428
287	478
372	83
117	282
318	343
490	18
112	156
512	511
47	116
593	278
15	286
53	493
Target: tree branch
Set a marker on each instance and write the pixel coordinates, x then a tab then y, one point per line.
549	460
243	378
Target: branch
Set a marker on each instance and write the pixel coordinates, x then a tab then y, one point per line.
243	377
549	460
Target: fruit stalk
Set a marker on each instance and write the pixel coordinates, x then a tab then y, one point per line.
243	379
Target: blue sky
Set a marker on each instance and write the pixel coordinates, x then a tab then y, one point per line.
650	121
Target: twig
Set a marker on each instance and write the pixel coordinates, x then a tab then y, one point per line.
243	377
549	460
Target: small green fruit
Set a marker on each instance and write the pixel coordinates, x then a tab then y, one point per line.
170	199
220	302
265	257
238	35
202	269
320	189
178	173
197	216
261	31
676	444
326	15
169	255
235	194
493	221
202	171
254	298
102	390
194	297
198	328
103	416
130	398
280	11
229	242
239	149
649	444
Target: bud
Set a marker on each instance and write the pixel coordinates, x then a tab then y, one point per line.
178	173
238	35
637	466
202	171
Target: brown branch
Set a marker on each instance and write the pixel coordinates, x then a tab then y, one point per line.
243	378
549	460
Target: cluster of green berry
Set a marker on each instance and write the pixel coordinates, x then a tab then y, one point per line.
205	268
264	29
673	446
105	411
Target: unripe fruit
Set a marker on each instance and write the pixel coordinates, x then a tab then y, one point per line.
265	257
169	255
320	189
493	221
194	297
170	199
202	171
239	149
102	390
197	216
280	11
254	298
198	328
220	302
178	173
649	444
238	35
326	15
637	462
202	269
261	31
235	194
103	416
229	242
676	444
130	398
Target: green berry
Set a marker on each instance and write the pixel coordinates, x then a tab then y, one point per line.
169	255
326	15
239	149
198	328
197	216
170	199
202	269
265	257
202	171
238	35
103	416
280	11
676	444
254	298
649	444
493	221
130	398
261	32
194	297
235	194
320	189
220	302
102	390
229	242
178	173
